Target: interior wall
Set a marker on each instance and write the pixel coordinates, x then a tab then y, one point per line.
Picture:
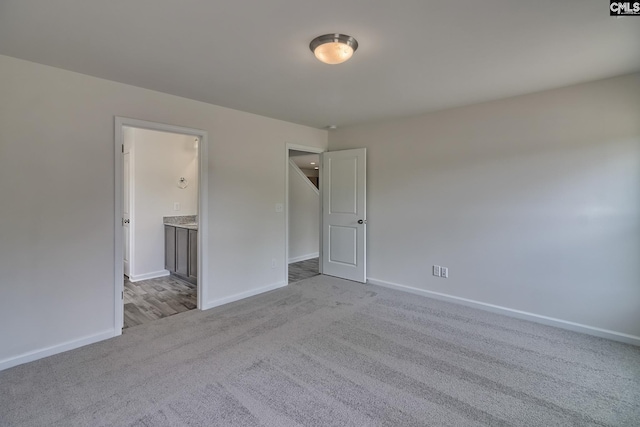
304	217
532	202
57	171
160	159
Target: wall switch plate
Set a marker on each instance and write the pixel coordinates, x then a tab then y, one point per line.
436	270
274	264
444	272
279	207
176	206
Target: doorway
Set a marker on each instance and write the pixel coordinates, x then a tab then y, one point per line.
161	181
302	212
342	211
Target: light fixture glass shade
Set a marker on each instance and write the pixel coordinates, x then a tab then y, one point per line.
333	48
333	53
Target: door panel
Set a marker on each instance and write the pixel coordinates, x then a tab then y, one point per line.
182	251
170	248
342	244
344	214
343	197
193	253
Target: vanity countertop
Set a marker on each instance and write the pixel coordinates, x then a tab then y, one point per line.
184	221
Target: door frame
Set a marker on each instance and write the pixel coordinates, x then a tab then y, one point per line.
311	150
203	208
131	207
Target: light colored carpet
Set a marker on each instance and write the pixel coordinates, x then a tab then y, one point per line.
328	352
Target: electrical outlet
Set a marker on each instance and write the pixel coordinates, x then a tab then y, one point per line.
436	270
444	272
274	264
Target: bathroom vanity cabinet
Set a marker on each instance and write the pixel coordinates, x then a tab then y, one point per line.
181	251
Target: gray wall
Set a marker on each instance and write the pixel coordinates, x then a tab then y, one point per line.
57	172
532	202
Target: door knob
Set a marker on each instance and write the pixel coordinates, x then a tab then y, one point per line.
360	221
126	221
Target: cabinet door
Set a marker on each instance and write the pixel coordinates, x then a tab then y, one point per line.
170	248
182	251
193	253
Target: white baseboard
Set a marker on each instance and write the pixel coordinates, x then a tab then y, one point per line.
242	295
55	349
147	276
304	257
545	320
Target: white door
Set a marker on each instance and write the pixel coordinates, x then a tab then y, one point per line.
344	216
126	209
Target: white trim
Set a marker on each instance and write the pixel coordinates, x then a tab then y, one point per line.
305	177
243	295
55	349
545	320
132	209
118	251
290	146
203	208
147	276
304	257
203	219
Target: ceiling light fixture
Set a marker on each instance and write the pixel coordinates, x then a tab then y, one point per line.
333	48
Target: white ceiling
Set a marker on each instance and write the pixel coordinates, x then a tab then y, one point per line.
304	160
415	56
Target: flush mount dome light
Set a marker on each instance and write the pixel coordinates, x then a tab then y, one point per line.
333	48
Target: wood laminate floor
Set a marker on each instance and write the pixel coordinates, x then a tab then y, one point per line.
303	270
153	299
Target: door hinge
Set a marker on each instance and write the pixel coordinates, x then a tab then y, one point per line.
122	295
123	148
